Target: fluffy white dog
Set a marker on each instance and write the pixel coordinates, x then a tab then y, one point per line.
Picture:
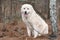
35	24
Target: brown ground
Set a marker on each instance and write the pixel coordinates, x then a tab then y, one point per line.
17	31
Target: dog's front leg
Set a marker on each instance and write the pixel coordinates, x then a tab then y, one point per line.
35	33
29	31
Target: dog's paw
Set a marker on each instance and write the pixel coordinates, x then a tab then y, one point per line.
35	36
39	34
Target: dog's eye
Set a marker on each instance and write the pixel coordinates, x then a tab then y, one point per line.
28	8
24	8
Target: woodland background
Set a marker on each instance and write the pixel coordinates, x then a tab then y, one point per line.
11	24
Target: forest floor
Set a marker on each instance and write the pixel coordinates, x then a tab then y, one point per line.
17	31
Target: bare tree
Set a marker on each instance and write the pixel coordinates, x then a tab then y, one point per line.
53	17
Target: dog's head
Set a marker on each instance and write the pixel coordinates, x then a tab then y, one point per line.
27	9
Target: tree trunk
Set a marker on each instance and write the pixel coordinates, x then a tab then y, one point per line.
53	16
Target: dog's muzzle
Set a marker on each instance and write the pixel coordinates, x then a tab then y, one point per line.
25	14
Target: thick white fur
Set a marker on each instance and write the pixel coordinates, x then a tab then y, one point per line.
34	23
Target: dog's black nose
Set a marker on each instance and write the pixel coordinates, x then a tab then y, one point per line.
25	12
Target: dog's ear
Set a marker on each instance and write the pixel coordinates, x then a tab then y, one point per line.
32	9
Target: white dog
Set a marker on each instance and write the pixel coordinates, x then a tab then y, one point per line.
35	24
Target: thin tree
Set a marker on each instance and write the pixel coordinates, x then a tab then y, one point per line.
53	18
